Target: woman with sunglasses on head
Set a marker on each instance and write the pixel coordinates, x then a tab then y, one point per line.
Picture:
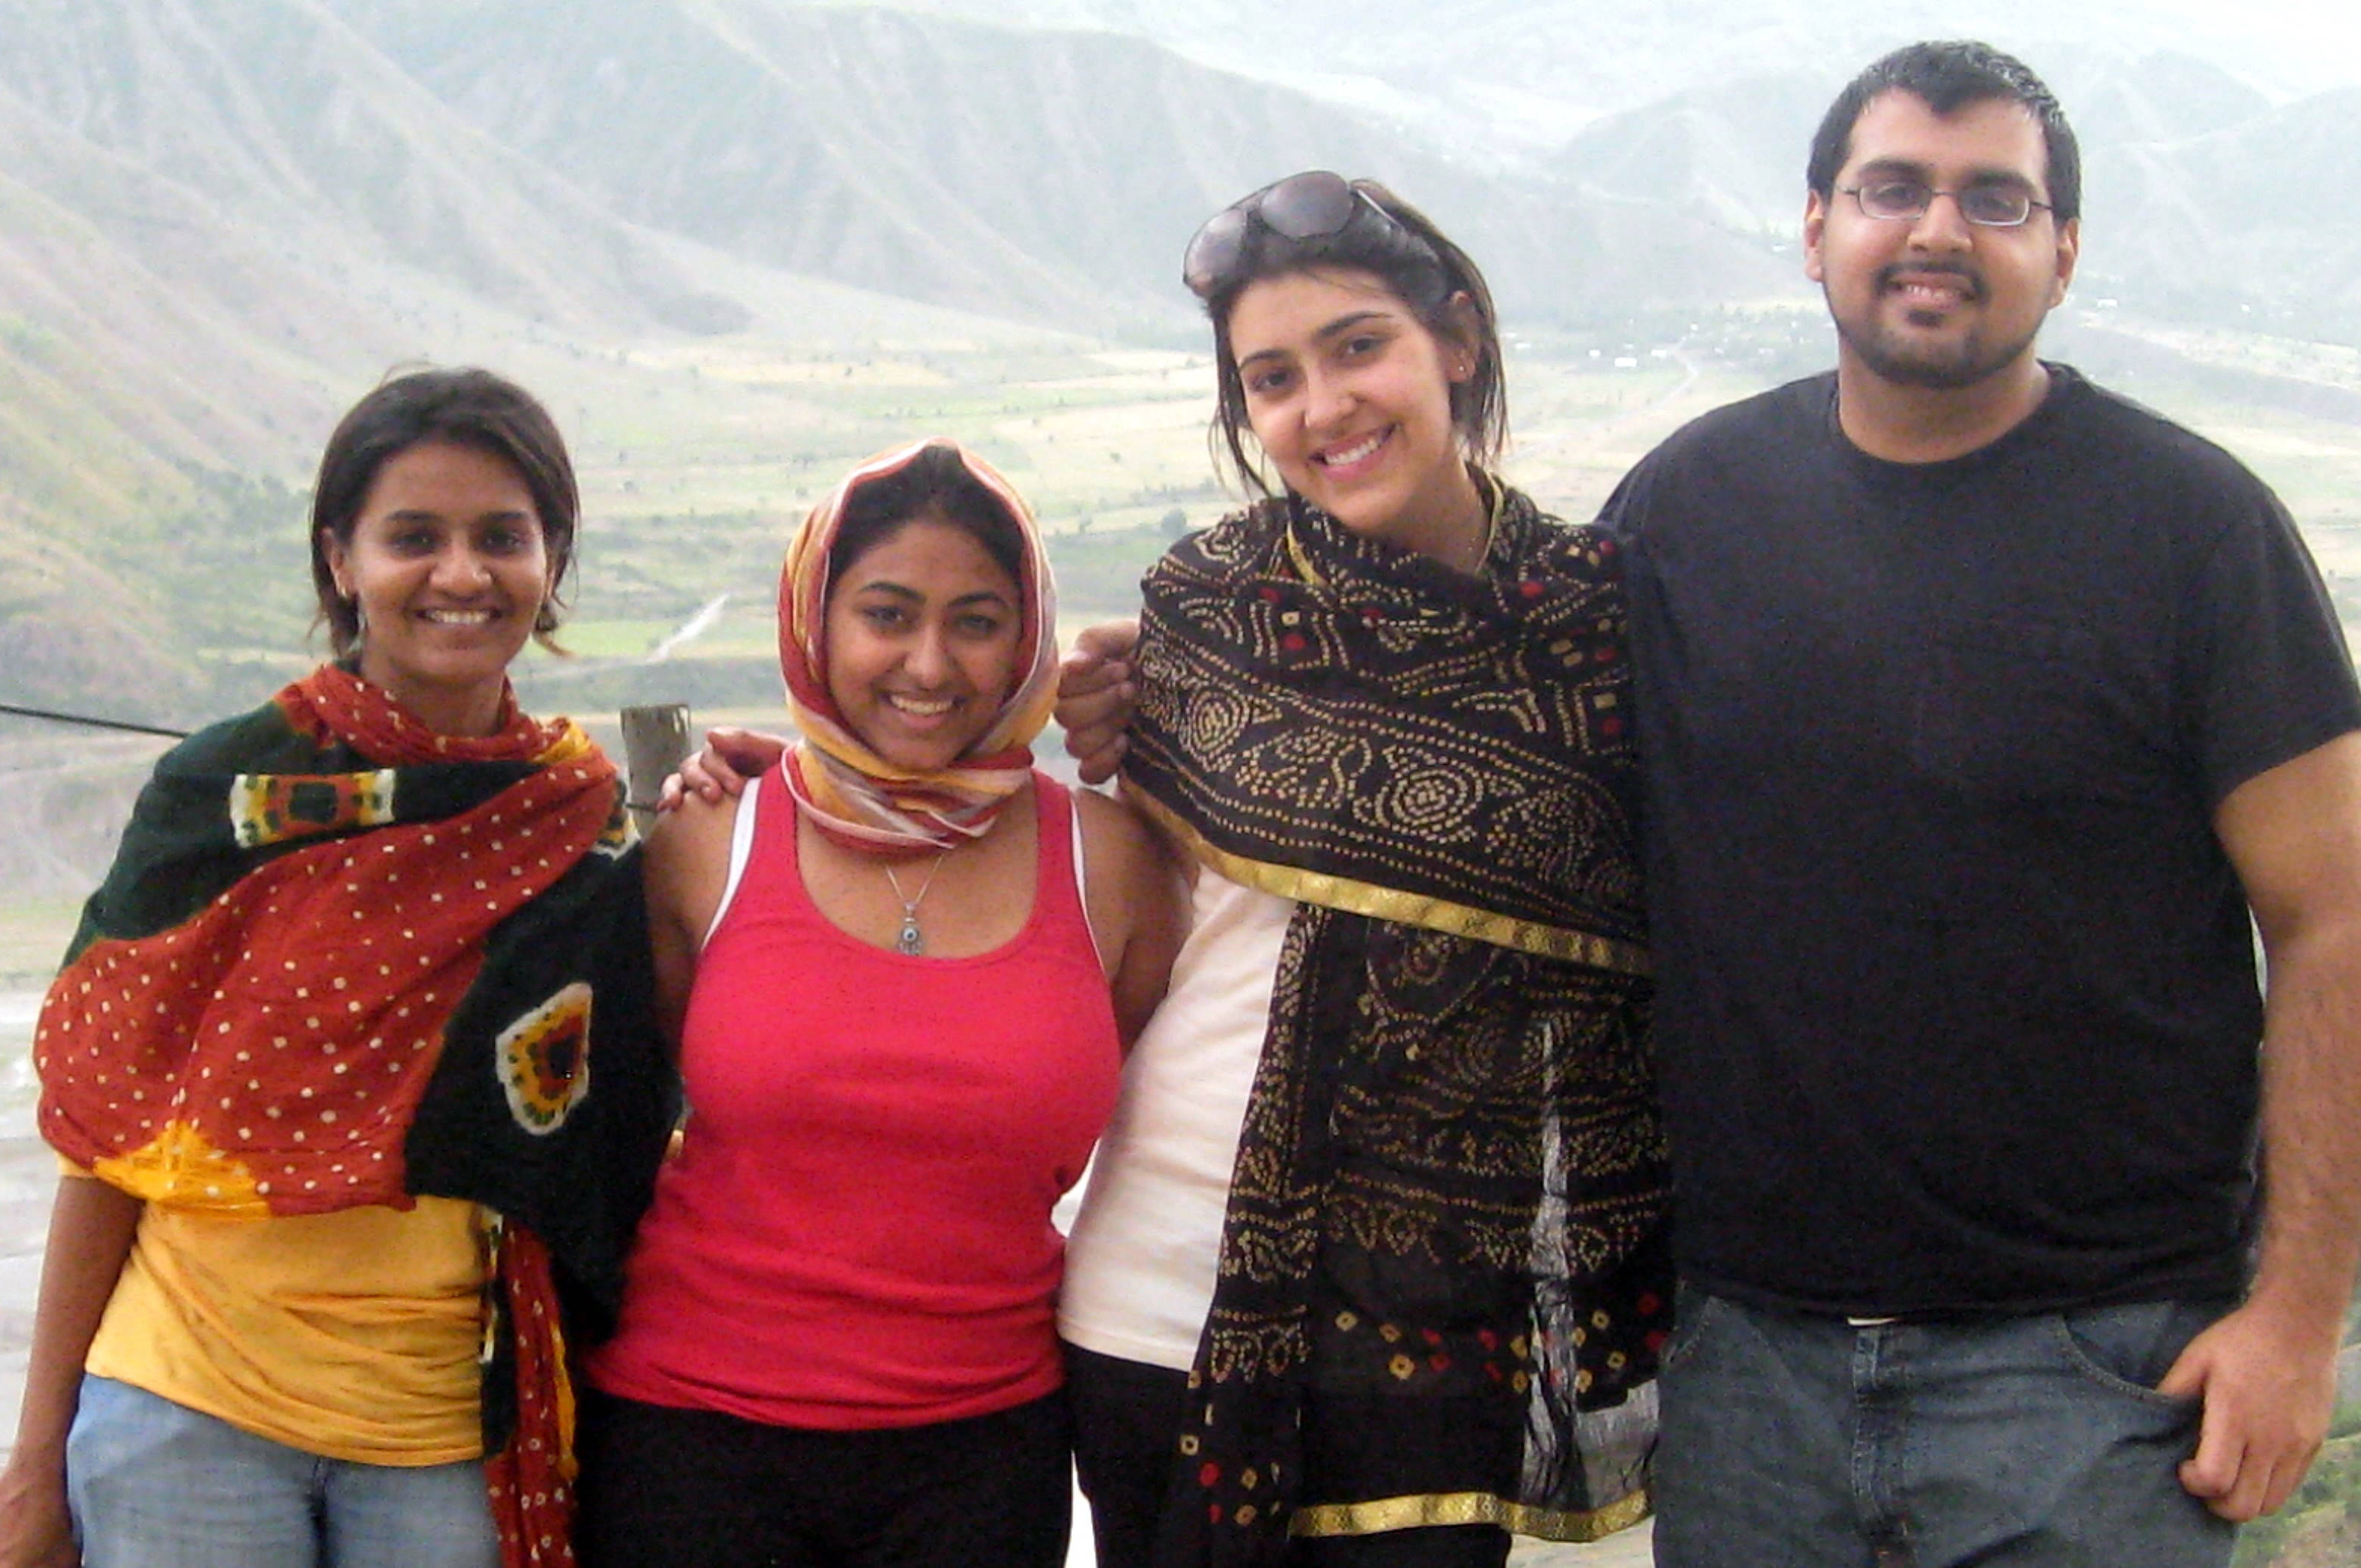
320	1066
900	970
1369	1260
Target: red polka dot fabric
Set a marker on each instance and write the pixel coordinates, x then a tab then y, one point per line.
266	1054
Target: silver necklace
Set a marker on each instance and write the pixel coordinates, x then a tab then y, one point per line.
910	942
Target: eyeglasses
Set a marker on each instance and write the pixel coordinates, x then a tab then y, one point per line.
1986	206
1311	205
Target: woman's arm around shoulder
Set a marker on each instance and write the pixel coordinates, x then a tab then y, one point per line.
1138	906
687	866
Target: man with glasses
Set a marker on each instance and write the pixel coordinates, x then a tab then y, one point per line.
1981	707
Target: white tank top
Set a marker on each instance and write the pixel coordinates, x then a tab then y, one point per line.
1139	1264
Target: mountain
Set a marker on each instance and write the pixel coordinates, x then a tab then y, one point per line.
279	116
587	166
1050	174
2247	222
2181	172
1706	150
217	221
1511	80
980	168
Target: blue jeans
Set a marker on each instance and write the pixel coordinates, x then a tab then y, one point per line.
156	1484
1802	1441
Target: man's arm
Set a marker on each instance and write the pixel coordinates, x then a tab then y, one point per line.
2268	1371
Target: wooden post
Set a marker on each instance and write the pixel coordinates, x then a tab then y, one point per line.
655	741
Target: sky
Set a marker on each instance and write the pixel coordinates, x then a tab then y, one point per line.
2316	42
2293	46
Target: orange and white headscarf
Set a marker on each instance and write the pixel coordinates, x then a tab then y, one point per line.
851	794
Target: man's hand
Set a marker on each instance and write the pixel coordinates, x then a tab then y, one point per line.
2267	1372
2269	1385
731	756
1096	695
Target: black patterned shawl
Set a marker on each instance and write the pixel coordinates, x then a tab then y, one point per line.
1451	1179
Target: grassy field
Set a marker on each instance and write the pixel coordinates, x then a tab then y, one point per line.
2321	1525
1110	445
697	457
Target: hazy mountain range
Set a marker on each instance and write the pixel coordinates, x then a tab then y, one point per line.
218	217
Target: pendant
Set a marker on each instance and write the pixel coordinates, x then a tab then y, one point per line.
907	941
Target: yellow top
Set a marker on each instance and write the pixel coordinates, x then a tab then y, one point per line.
352	1335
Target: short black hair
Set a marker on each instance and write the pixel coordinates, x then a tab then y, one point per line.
1947	76
465	408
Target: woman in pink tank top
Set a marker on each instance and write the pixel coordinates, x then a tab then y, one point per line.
900	1008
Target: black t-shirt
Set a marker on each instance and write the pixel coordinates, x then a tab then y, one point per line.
1958	1009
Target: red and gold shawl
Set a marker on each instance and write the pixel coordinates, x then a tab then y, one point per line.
341	959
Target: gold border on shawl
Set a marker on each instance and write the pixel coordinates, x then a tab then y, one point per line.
1404	909
1470	1507
1496	502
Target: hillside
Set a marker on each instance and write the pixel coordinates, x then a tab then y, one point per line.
740	242
1511	80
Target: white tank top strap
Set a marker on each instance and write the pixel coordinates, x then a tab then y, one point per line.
741	849
1081	877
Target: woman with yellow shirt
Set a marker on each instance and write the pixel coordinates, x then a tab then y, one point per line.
321	1067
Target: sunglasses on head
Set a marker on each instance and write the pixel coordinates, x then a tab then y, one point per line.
1314	204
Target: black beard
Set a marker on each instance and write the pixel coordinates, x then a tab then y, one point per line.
1972	363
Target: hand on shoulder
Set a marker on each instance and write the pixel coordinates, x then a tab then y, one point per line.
730	757
1097	694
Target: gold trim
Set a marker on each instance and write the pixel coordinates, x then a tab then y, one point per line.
1404	909
1305	570
1494	496
1496	503
1470	1507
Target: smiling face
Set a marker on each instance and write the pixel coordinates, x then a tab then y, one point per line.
1936	301
921	642
1349	394
447	563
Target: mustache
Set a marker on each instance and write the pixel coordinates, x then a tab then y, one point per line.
1967	272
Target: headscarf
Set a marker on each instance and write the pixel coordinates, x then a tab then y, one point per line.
851	794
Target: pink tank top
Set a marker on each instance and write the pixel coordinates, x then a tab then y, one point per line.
856	1232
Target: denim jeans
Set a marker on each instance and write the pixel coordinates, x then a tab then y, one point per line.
156	1484
1803	1441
